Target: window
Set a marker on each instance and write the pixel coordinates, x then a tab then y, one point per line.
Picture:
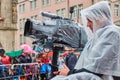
22	39
22	23
33	4
19	8
75	12
57	1
58	12
61	12
34	17
22	8
116	10
45	2
48	1
80	7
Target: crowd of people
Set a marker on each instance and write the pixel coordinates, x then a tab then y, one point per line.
33	66
26	65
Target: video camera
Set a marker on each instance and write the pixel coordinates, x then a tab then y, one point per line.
62	30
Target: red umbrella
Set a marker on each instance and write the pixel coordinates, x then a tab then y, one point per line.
65	53
27	48
50	54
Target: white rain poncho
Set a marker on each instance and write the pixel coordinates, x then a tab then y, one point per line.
78	76
102	53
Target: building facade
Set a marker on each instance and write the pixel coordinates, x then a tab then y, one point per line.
32	9
8	24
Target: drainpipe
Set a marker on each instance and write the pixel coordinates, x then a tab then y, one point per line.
68	9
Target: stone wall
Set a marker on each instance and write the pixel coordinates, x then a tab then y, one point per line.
8	26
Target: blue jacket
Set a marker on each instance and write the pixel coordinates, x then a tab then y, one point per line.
71	60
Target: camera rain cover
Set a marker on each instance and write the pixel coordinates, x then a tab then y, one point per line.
69	33
69	36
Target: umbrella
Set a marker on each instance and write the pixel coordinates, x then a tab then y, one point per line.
50	54
38	49
26	48
65	53
14	53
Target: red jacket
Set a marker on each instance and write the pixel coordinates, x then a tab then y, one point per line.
45	60
6	60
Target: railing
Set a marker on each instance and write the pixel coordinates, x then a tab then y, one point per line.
12	71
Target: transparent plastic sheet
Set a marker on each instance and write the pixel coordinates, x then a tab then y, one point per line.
68	35
101	53
66	32
100	15
78	76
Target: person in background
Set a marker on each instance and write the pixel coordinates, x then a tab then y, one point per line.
34	43
22	58
28	58
4	64
2	51
45	68
61	62
5	59
37	47
70	59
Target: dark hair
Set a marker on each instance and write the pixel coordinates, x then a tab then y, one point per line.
2	51
34	42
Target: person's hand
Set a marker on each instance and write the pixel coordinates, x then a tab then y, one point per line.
64	71
56	72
